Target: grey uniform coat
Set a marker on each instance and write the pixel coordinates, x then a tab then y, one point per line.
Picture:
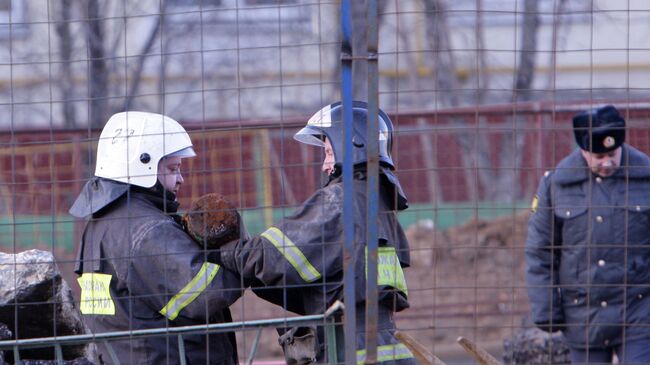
588	251
157	277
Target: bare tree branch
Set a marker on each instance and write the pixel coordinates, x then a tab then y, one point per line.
137	73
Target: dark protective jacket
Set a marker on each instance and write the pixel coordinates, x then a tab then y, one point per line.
298	263
588	251
139	269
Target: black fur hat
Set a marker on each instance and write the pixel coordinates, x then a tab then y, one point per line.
599	130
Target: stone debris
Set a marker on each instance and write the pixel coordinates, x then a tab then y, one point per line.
535	347
36	302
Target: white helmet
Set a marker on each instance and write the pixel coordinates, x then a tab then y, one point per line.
132	144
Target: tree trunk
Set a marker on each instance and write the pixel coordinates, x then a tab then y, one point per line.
528	51
446	84
557	25
98	74
65	77
510	157
483	77
498	182
445	64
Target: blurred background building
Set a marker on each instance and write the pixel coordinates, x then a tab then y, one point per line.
70	63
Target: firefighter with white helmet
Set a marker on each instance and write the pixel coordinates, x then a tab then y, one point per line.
298	263
137	267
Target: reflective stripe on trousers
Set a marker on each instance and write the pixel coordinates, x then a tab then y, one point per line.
387	353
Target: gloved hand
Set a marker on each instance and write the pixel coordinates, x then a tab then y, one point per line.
300	345
212	221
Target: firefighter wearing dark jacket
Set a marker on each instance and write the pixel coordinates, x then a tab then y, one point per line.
588	246
137	267
298	263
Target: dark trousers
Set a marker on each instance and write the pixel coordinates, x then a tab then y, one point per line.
631	352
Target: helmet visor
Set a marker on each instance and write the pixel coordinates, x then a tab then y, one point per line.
310	135
185	152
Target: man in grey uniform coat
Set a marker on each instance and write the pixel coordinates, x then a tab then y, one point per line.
588	245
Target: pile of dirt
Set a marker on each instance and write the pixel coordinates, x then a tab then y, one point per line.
467	280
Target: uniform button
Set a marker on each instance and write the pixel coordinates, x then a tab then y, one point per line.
603	304
599	179
606	342
638	208
568	213
599	219
601	262
575	301
640	296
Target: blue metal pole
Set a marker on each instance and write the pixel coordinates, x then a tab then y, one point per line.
349	298
372	188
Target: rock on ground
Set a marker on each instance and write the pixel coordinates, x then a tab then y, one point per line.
535	347
36	302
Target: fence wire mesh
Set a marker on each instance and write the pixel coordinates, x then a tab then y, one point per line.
481	94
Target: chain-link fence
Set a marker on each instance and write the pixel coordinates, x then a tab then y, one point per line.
481	95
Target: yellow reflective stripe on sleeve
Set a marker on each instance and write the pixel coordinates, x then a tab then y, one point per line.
389	269
387	353
292	253
96	294
190	291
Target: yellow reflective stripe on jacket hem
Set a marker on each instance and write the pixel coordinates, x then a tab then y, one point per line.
389	269
387	353
190	291
292	253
